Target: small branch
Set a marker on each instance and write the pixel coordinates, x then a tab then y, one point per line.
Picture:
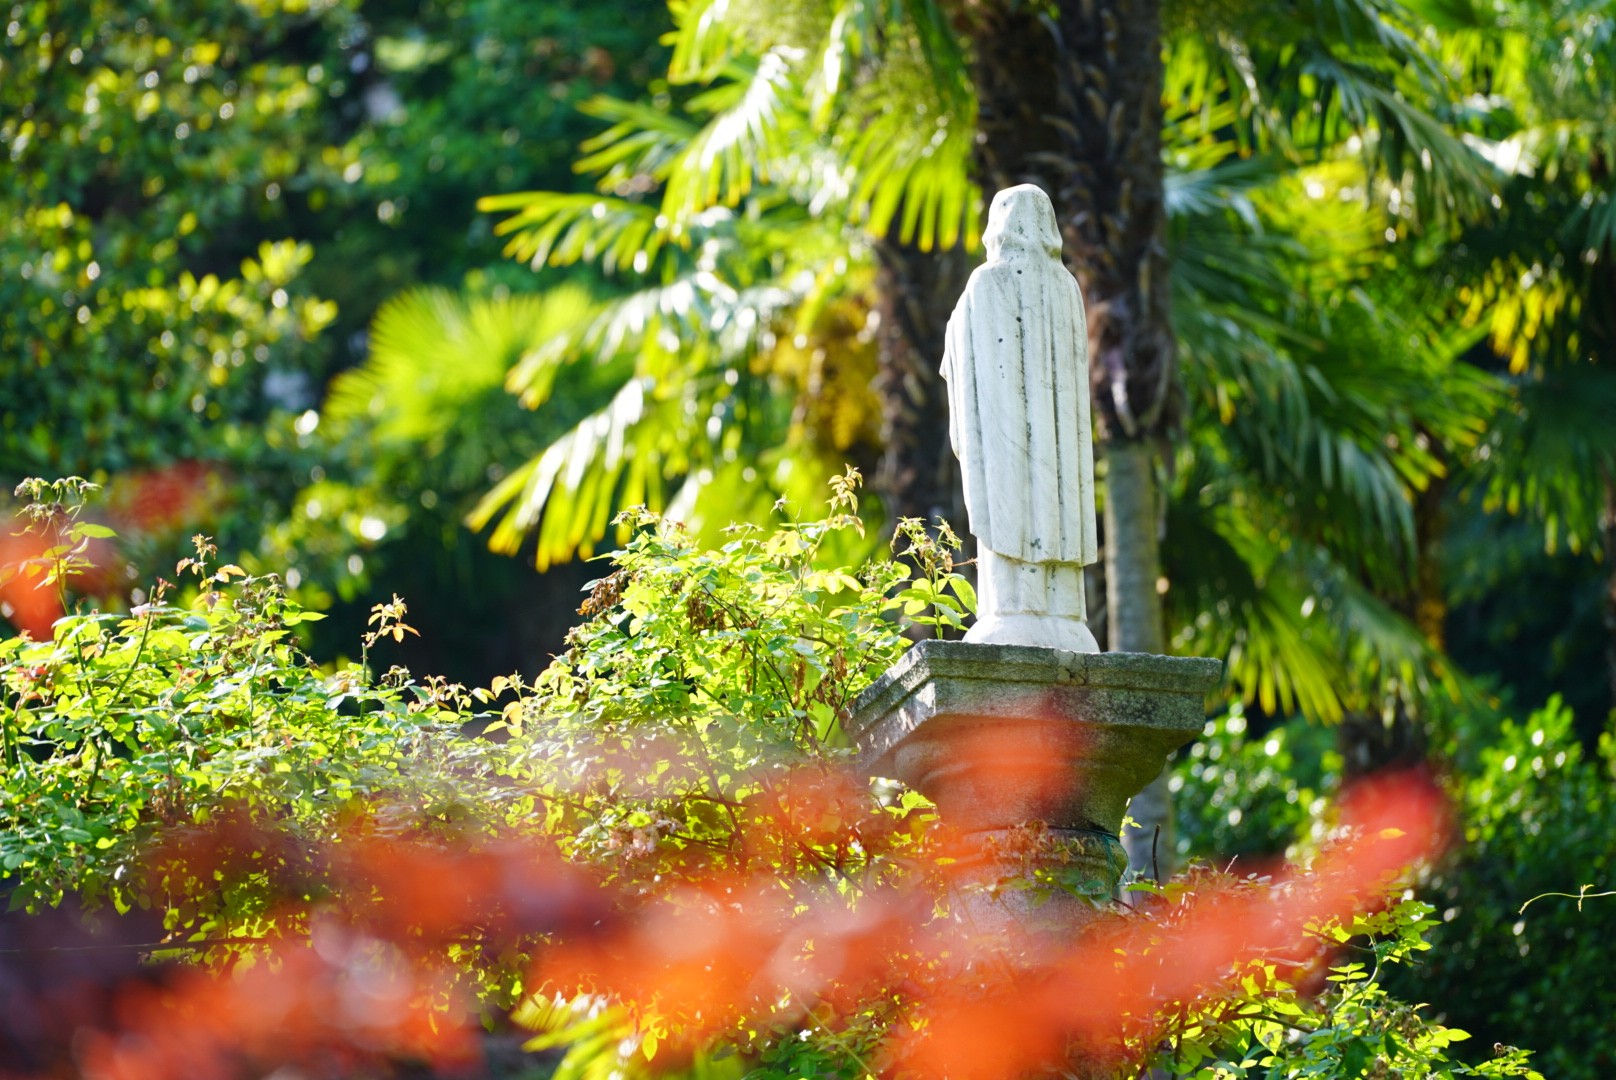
150	946
1579	896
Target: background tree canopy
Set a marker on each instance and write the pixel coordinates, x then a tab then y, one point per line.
415	298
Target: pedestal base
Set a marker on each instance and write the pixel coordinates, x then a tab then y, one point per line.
1002	735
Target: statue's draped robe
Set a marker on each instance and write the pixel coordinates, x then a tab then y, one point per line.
1016	365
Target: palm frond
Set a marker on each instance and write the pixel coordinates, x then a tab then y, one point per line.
1298	630
705	37
914	172
754	117
1401	140
1310	79
437	358
692	389
431	345
1552	454
568	493
645	140
548	227
1536	275
887	82
1300	379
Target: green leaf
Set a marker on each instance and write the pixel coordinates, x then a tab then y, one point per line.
1356	1057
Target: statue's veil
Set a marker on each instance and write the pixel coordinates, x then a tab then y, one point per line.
1022	219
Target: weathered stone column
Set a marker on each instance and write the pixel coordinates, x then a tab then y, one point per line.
1004	736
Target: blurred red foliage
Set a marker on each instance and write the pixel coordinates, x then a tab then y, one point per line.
1128	969
30	607
145	503
361	975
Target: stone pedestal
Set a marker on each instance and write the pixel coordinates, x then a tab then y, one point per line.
1000	736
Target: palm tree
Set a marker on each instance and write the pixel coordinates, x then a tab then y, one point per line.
810	163
1322	396
727	363
813	167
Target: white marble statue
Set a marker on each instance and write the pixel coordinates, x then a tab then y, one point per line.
1018	393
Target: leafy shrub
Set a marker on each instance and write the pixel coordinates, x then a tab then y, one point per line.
662	850
1243	798
1535	818
124	728
1274	1019
1538	818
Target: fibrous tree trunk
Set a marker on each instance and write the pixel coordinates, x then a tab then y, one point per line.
1608	531
1071	100
918	475
1073	103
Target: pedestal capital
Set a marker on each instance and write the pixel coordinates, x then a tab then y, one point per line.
998	735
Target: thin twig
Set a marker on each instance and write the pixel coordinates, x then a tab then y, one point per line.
1579	896
153	946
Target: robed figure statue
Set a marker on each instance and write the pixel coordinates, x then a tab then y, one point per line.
1018	393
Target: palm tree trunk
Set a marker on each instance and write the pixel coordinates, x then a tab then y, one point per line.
917	476
1132	570
1609	530
1071	101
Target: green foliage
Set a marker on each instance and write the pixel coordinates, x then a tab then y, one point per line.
711	672
172	169
1496	575
738	208
690	737
1250	798
687	740
1538	819
401	456
187	759
1306	82
184	712
473	94
1535	818
1537	273
52	512
655	748
139	323
1264	1025
728	355
1325	400
127	729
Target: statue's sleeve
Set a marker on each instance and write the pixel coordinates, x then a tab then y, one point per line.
954	377
970	423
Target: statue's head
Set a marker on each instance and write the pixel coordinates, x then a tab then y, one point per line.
1022	219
